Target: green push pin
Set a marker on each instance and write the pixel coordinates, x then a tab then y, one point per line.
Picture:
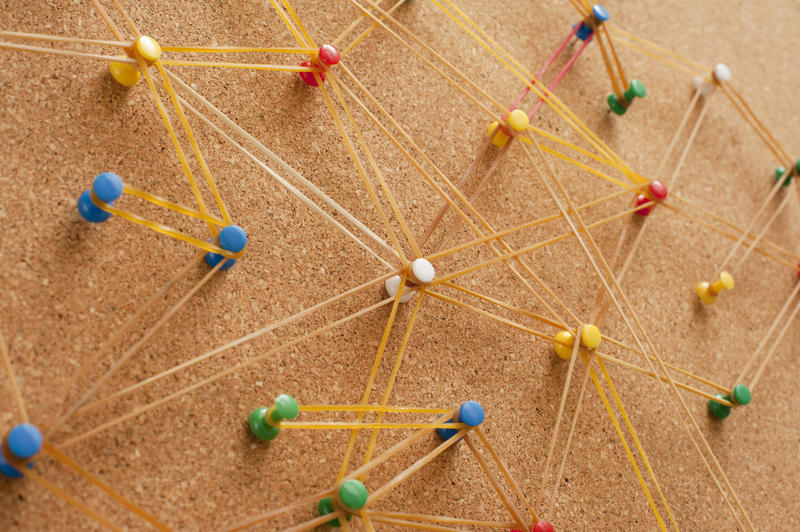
325	507
740	396
263	420
636	90
779	172
353	496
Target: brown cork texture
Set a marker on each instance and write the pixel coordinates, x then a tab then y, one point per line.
67	285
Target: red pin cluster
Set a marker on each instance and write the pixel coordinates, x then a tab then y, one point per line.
327	56
657	191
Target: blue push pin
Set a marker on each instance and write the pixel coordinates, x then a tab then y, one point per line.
107	187
471	413
599	15
19	446
232	238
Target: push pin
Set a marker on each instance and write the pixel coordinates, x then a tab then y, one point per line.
351	497
708	292
516	122
471	413
129	75
620	106
543	526
739	396
18	449
540	526
419	272
565	340
232	238
657	191
265	422
327	56
720	74
598	16
780	171
106	188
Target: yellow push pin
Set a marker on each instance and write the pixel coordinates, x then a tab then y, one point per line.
124	73
517	121
147	48
708	292
563	343
590	336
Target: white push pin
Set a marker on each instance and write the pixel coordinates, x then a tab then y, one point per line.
720	74
419	272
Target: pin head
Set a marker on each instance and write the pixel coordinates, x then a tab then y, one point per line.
259	426
392	285
107	187
471	413
353	494
543	526
703	293
147	48
600	13
286	406
325	507
718	410
741	394
518	120
727	280
590	336
563	345
328	54
423	271
500	138
124	73
308	77
232	238
637	88
24	441
779	173
722	73
89	211
615	106
641	199
658	189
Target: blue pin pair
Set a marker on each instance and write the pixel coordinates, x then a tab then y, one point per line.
107	187
599	14
471	414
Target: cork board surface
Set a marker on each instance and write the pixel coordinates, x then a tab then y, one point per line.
68	285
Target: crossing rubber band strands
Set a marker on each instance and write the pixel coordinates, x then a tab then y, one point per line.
598	160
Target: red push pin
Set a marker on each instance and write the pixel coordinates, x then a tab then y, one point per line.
657	192
327	56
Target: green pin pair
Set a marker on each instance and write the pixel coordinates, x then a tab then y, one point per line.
264	421
780	171
636	90
352	494
739	396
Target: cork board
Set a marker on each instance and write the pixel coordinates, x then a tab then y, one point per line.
68	285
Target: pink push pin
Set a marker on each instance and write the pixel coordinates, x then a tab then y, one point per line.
327	56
